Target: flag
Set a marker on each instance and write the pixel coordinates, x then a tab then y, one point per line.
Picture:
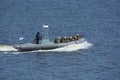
21	38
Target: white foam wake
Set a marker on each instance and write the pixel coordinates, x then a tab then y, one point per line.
7	48
73	47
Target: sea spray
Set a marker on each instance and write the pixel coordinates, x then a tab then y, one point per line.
7	48
72	47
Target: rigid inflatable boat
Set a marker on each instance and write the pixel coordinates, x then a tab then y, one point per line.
46	44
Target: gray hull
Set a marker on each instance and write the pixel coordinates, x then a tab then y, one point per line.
44	46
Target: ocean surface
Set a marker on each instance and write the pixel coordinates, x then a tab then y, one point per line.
96	59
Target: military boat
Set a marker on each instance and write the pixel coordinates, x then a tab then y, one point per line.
45	44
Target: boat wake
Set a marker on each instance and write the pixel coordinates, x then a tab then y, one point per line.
7	48
69	48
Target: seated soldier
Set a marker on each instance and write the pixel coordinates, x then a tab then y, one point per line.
57	40
79	36
70	38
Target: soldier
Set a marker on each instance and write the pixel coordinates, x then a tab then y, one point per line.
57	40
37	37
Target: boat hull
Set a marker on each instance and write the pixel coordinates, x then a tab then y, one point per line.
45	46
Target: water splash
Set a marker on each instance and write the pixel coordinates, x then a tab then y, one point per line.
7	48
73	47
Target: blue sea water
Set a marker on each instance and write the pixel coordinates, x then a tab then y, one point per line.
97	20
